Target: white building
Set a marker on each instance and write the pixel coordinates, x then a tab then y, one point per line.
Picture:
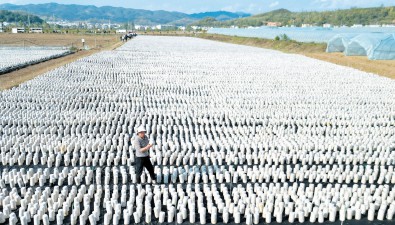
124	31
16	30
157	27
327	25
195	27
121	31
357	25
374	25
36	30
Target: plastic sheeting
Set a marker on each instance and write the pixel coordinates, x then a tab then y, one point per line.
339	42
376	46
301	34
364	44
384	50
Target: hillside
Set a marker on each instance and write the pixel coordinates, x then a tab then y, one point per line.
19	17
220	15
348	17
117	14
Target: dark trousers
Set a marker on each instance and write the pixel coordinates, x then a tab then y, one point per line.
142	162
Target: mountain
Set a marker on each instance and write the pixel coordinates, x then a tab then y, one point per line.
220	15
116	14
364	16
19	17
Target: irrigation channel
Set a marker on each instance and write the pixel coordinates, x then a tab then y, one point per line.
241	135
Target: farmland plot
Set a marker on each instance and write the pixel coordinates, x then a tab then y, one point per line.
241	135
11	59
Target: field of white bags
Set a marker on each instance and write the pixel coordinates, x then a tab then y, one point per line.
11	59
241	135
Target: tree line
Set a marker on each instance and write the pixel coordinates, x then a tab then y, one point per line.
348	17
19	18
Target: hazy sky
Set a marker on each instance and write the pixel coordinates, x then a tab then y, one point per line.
251	6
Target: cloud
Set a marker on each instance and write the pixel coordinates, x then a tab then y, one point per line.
274	4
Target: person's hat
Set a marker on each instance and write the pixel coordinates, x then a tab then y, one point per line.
141	129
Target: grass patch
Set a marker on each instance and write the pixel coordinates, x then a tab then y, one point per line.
288	46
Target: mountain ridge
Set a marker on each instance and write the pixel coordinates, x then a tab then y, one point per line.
75	12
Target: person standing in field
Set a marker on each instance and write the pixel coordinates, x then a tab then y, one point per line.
142	146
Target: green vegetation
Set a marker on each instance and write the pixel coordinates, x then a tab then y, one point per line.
282	37
19	17
348	17
284	44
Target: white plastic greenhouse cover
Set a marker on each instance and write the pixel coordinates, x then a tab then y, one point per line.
339	42
365	44
384	50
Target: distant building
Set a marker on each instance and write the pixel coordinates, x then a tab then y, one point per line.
1	28
16	30
374	25
327	25
121	31
306	25
36	30
273	24
357	25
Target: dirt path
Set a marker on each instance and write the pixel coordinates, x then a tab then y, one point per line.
17	77
384	68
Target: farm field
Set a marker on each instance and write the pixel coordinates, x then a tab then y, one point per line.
17	77
12	59
60	40
312	50
242	135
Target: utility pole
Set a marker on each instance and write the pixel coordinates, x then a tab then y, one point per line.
28	19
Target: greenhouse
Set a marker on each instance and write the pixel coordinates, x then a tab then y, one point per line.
364	44
376	46
384	50
339	42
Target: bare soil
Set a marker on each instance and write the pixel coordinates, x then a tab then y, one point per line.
49	39
384	68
